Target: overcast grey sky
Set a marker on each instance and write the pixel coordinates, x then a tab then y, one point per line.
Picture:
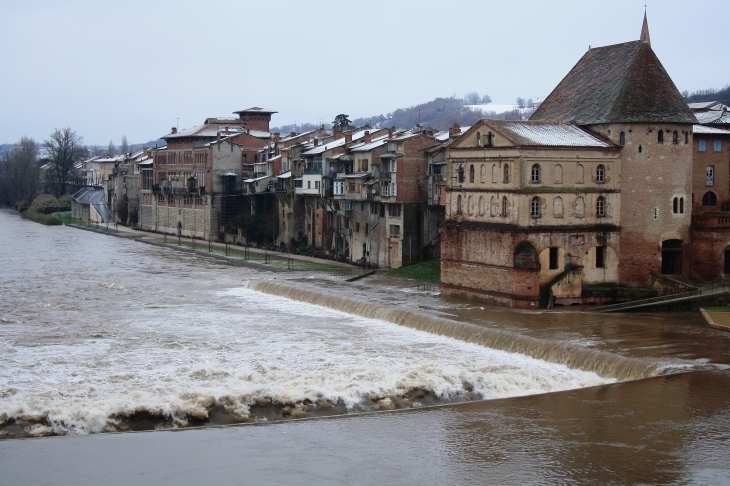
108	69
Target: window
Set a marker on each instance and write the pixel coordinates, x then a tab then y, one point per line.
622	139
553	258
660	136
471	173
709	199
479	139
678	205
316	184
535	207
483	174
579	174
357	227
339	188
394	210
600	256
506	173
297	183
351	187
535	173
600	173
347	223
710	175
309	184
686	137
493	206
394	230
469	205
717	146
481	205
504	206
458	205
489	139
460	174
640	149
580	207
558	174
675	137
495	172
703	146
600	206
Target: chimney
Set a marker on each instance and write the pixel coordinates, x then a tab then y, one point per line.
277	136
173	130
218	138
293	134
337	133
390	132
455	130
348	137
316	141
367	138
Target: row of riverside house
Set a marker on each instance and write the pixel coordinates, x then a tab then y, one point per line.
359	195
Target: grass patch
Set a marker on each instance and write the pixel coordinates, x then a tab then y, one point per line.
47	219
719	308
428	271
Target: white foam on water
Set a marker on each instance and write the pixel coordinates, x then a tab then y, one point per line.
235	345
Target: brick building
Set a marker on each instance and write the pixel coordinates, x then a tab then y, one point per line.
638	170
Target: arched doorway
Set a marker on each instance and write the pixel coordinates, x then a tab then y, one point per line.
672	257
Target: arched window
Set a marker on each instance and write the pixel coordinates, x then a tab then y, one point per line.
505	206
469	205
458	205
675	205
535	207
506	173
660	136
460	172
622	139
709	199
471	173
495	173
493	206
558	207
526	257
600	206
489	139
580	207
558	174
675	137
579	174
681	205
479	139
600	173
640	149
686	137
483	174
481	205
535	173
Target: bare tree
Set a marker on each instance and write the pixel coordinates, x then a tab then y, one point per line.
110	149
19	173
472	98
521	102
125	146
486	99
65	147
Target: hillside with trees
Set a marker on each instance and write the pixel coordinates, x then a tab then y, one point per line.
711	94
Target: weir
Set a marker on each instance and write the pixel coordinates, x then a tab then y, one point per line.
603	363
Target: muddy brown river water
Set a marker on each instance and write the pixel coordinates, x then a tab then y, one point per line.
103	334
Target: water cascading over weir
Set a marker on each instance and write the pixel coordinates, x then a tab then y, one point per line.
605	364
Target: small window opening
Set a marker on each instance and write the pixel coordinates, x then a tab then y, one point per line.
600	173
504	206
506	172
600	256
489	139
458	205
675	205
660	136
640	149
681	205
479	139
600	206
471	173
622	139
553	258
460	172
675	137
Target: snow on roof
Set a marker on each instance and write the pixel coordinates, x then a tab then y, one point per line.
357	175
256	109
146	162
366	147
499	108
706	105
284	175
705	130
547	134
713	116
257	179
336	143
211	130
229	174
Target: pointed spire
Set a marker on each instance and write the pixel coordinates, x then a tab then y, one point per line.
645	30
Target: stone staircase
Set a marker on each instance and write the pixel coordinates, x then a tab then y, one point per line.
709	294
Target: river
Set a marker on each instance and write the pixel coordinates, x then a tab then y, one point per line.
103	334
